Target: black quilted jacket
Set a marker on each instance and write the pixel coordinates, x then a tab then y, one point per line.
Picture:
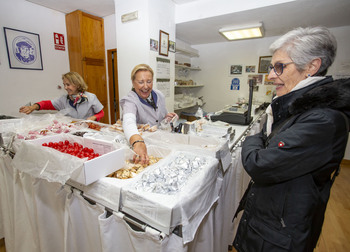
292	174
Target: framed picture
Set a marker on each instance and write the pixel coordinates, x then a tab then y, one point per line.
164	43
258	78
236	69
172	46
23	49
264	63
250	69
153	45
267	81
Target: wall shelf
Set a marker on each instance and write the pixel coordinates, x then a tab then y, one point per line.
191	106
187	67
188	86
187	52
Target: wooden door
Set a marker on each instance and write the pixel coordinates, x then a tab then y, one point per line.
92	35
85	36
113	85
95	77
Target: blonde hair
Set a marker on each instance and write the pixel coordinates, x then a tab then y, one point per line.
76	79
140	67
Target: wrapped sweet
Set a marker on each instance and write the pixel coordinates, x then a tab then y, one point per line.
169	179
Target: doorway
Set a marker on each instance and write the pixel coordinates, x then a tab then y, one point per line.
113	85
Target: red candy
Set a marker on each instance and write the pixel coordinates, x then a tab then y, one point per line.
74	149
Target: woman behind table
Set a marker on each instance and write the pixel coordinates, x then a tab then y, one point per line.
78	103
142	105
292	159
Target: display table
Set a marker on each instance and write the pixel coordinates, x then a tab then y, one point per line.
38	215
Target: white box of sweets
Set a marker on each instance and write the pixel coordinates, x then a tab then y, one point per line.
56	166
107	191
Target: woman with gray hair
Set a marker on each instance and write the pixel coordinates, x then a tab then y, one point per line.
291	161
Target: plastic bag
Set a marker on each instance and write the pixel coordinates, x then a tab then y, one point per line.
46	163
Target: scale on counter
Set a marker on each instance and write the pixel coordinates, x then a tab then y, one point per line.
234	117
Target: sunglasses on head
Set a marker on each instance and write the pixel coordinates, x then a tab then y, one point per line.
278	68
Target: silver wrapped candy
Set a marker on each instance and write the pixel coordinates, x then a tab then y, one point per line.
172	176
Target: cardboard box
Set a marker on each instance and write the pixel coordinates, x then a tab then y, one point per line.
111	159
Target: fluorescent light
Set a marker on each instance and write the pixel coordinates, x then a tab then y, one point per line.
243	32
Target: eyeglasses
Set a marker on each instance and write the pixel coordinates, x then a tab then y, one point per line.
278	68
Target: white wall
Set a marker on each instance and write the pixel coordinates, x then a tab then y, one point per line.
162	13
215	61
216	58
17	86
110	32
133	39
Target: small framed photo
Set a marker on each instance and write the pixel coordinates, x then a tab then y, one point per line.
264	63
172	46
258	78
267	81
153	45
250	69
236	69
164	43
23	49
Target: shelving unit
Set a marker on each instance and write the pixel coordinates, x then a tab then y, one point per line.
186	96
195	103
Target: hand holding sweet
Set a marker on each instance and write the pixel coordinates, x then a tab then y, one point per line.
140	149
171	116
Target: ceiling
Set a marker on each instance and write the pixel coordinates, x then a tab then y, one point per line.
277	19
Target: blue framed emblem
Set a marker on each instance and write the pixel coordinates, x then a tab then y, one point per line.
23	49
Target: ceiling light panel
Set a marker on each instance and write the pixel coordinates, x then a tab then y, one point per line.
244	32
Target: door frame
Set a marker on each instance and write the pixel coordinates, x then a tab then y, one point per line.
113	85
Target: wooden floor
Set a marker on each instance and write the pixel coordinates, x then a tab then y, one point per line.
336	228
335	234
2	246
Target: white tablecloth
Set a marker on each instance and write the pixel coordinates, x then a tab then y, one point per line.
46	216
38	215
